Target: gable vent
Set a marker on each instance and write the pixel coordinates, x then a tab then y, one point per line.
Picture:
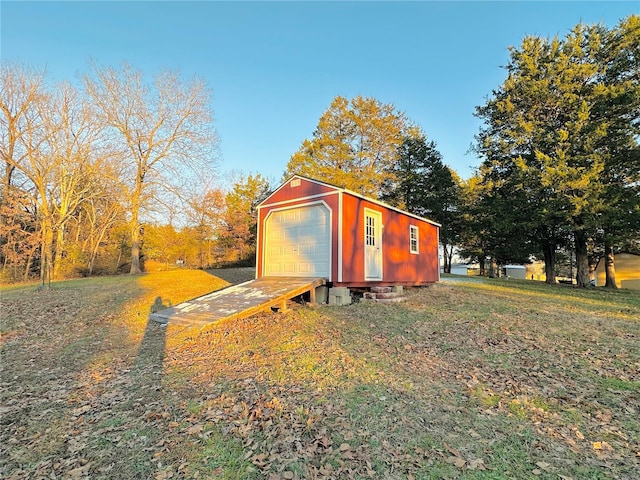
295	182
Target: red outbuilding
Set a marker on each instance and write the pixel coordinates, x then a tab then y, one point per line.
308	228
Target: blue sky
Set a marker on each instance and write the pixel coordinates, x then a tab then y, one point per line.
274	67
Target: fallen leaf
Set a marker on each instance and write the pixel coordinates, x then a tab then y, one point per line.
195	429
76	412
164	474
79	472
453	450
457	461
474	434
544	466
348	455
476	464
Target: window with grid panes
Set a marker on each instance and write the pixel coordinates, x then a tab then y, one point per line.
413	239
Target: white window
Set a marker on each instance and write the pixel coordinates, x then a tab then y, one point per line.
413	239
370	231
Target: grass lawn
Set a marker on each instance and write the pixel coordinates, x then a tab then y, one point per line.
470	378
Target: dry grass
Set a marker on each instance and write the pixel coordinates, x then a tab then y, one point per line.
470	378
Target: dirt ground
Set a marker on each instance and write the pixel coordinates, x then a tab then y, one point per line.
234	275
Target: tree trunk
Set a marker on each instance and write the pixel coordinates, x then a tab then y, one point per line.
609	266
27	269
59	250
445	259
94	251
493	268
483	270
582	260
46	252
549	252
135	247
593	263
119	256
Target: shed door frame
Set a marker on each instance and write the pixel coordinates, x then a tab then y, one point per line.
372	244
265	239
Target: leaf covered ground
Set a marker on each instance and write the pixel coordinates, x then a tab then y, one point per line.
470	378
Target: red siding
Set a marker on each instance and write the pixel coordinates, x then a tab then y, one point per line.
306	188
400	266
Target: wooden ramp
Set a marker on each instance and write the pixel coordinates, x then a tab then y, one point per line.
238	301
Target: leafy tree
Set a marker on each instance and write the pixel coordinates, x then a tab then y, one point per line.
165	129
540	135
491	227
164	244
472	242
239	230
619	107
19	232
425	186
354	146
206	212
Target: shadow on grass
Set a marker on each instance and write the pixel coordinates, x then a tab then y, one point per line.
148	366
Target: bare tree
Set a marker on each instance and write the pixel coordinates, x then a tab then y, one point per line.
52	145
73	151
21	89
26	151
166	132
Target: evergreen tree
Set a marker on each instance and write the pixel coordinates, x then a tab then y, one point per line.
543	137
619	107
425	186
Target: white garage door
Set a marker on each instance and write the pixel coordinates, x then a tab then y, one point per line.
297	242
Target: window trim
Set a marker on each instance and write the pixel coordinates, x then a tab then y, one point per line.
414	239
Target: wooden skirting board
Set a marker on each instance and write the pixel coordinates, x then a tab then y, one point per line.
239	301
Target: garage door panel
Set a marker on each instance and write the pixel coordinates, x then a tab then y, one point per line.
304	232
306	249
306	268
321	248
304	214
289	268
297	242
320	230
273	269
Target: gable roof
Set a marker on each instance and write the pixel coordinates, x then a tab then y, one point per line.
344	190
